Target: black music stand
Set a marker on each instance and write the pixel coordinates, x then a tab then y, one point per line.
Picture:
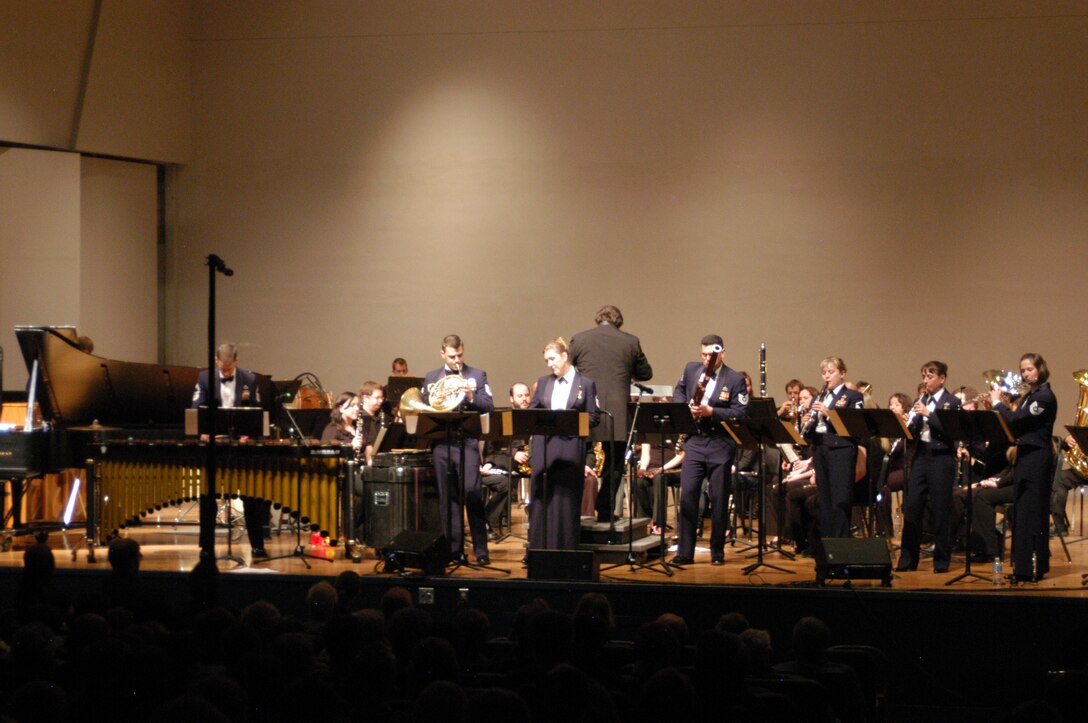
214	421
967	429
545	423
447	426
761	431
650	419
867	424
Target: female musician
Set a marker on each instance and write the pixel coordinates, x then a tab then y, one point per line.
560	504
799	485
1031	419
834	457
900	404
341	428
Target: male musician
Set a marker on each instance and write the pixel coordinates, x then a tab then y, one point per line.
400	367
1069	479
932	473
788	409
447	455
714	392
237	388
500	466
371	398
612	359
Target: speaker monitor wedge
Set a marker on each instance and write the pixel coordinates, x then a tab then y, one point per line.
849	558
415	550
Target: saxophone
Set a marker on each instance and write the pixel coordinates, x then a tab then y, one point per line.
526	469
598	459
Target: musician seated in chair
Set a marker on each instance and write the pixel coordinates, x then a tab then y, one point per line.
500	466
237	387
343	426
371	399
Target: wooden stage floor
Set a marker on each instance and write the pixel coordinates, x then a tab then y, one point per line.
168	547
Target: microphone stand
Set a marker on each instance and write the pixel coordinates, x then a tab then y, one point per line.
207	508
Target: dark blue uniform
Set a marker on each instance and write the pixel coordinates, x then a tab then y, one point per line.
1032	423
447	457
708	455
834	459
566	469
255	511
932	475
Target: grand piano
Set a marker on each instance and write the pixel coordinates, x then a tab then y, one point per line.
124	423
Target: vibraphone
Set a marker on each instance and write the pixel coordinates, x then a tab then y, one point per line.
134	479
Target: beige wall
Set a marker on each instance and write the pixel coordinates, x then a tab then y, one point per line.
136	81
889	182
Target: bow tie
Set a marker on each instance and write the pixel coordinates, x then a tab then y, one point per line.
450	372
227	380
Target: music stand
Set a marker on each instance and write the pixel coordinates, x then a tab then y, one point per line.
969	428
545	423
446	426
761	431
232	422
867	424
652	419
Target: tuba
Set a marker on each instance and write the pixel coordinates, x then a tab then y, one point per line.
1076	456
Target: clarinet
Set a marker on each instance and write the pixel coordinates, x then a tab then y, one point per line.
763	370
811	421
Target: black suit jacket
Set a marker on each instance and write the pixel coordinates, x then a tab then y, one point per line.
246	393
583	398
730	397
938	437
612	359
481	398
1033	421
843	399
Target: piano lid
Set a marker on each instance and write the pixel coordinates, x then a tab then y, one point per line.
78	388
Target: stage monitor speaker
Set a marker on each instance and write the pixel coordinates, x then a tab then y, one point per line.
848	558
412	550
564	565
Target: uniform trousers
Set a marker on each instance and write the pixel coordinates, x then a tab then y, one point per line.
1031	510
835	468
710	458
447	475
931	476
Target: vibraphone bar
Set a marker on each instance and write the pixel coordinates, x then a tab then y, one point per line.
133	479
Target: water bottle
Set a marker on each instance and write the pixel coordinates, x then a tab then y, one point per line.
997	570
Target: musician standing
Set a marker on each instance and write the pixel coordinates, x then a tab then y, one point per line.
612	359
564	388
237	387
1031	419
932	473
714	392
447	455
834	458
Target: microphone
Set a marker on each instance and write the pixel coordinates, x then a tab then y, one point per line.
219	265
643	388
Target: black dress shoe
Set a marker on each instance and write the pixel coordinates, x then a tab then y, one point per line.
680	561
258	552
717	559
483	559
901	567
940	568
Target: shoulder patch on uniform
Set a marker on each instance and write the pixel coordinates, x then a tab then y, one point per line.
742	398
1035	408
487	388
